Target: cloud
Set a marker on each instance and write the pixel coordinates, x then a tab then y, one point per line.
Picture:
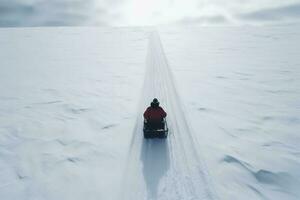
217	19
145	12
274	14
56	12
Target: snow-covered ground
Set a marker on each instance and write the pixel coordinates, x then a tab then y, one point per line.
71	101
241	89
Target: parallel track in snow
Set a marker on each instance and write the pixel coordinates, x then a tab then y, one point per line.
168	169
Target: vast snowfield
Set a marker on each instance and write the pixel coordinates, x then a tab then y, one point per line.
71	104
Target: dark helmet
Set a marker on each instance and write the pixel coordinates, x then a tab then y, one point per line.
154	103
155	100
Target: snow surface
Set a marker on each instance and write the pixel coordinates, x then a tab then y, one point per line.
71	103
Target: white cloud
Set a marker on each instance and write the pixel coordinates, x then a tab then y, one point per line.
145	12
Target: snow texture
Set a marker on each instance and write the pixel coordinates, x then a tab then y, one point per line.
164	169
71	104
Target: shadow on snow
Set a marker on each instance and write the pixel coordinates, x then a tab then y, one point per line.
156	162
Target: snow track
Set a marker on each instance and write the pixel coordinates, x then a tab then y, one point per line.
164	169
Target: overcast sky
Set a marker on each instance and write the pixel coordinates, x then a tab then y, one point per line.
147	12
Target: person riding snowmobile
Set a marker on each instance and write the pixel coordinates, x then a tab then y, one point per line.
154	113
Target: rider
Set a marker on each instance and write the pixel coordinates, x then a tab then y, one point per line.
154	112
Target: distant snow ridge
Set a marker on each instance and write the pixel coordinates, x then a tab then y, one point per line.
165	169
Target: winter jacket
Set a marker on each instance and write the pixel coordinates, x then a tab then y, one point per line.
154	114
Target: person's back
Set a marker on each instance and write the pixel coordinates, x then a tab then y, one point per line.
155	113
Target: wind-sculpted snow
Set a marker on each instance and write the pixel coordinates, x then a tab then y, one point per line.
67	109
241	92
165	169
71	118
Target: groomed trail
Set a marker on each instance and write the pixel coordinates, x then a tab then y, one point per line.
171	168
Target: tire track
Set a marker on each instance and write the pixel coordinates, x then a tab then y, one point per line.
164	169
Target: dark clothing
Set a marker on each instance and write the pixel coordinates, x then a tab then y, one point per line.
155	114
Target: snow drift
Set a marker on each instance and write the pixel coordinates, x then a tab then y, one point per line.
71	101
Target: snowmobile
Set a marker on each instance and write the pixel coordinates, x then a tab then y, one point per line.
155	129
